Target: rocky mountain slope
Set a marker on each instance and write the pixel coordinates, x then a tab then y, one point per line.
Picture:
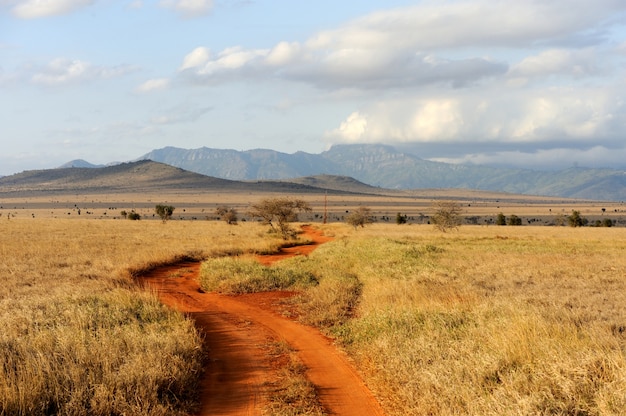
384	166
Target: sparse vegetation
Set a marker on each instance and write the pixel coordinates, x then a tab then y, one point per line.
164	212
359	217
447	215
279	212
401	219
514	220
576	220
228	214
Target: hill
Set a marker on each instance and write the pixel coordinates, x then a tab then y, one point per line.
385	167
146	175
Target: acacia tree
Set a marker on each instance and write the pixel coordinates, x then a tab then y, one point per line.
447	215
279	212
359	217
164	211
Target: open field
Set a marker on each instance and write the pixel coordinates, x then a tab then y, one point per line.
479	321
479	208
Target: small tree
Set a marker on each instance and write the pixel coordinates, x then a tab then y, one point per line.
133	215
575	220
359	217
279	212
514	220
165	212
501	219
401	219
227	214
447	215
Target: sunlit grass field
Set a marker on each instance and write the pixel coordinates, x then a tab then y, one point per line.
479	321
78	336
483	321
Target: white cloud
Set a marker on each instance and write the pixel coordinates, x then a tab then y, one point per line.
63	71
425	44
577	63
33	9
188	8
555	115
152	85
195	58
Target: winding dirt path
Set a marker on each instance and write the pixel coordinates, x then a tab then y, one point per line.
238	330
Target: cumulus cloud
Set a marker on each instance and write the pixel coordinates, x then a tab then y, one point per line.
33	9
555	115
152	85
63	71
188	8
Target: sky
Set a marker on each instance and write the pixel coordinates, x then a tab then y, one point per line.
526	83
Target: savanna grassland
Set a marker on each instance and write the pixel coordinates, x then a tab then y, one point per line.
78	336
485	320
480	321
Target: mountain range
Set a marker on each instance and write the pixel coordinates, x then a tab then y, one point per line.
384	166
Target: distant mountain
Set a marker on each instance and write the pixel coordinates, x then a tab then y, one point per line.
384	166
79	163
149	176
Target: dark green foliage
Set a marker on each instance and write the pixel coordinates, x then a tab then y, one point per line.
134	216
514	220
280	211
165	212
575	220
501	219
401	219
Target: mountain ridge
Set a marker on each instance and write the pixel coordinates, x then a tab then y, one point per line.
383	166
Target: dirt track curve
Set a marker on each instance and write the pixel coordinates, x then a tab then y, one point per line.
237	331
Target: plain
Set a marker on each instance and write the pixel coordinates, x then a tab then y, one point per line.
483	320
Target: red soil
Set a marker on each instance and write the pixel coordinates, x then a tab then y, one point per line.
237	332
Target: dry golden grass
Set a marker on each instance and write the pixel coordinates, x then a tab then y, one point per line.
488	320
480	321
78	337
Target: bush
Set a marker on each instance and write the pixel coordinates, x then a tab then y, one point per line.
447	215
501	219
359	217
133	215
165	212
514	220
575	220
227	214
401	219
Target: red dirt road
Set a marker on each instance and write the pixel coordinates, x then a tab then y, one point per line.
238	330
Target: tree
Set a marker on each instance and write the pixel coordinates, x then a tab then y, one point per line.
227	214
501	219
359	217
279	212
164	211
514	220
133	215
447	215
575	220
401	219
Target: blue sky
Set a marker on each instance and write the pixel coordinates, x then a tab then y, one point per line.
536	84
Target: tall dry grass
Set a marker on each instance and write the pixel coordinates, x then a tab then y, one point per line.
78	337
483	321
488	321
